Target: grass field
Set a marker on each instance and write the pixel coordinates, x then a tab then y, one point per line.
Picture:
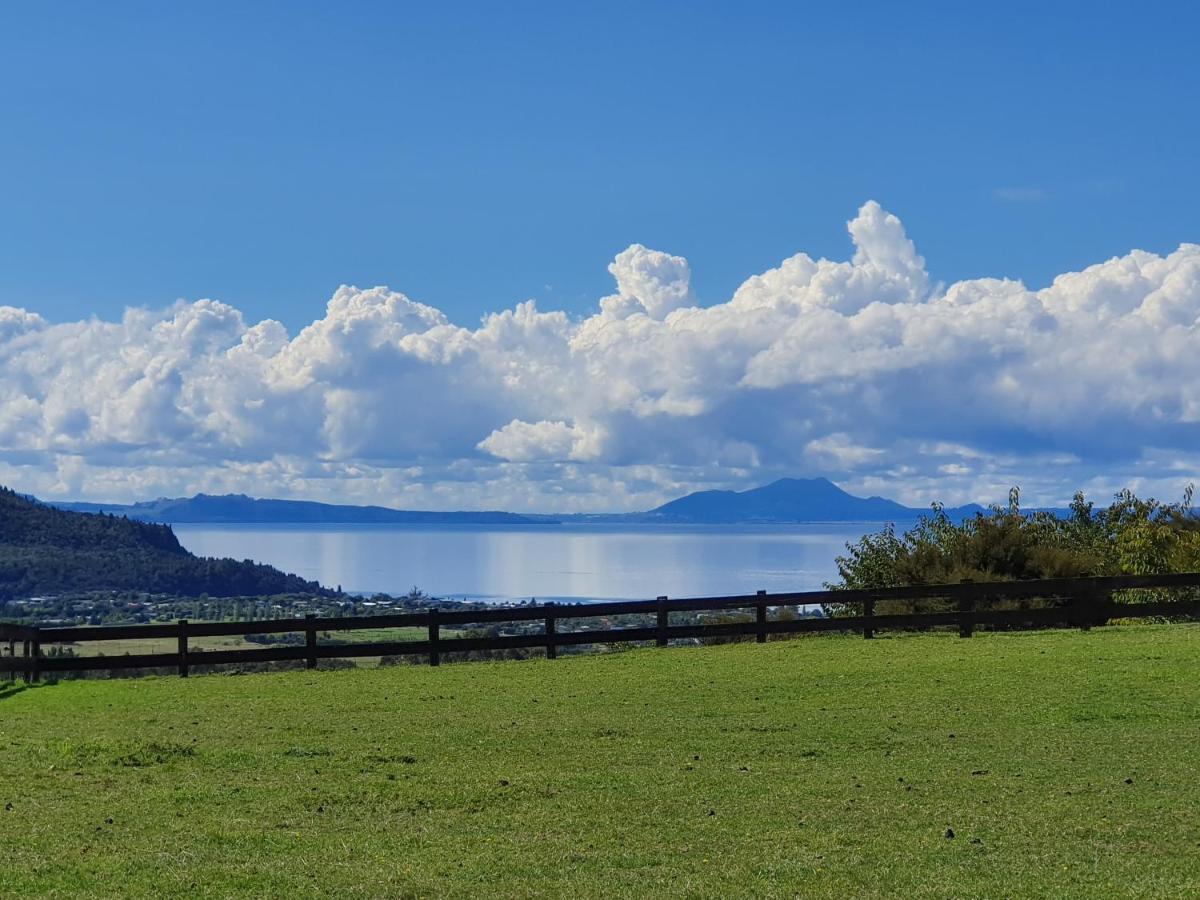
1063	764
157	645
169	645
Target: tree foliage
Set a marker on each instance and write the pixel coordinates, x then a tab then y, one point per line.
1130	536
44	550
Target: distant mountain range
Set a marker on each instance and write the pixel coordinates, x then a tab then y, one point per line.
788	500
238	508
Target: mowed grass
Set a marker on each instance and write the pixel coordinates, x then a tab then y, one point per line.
138	646
155	645
1064	764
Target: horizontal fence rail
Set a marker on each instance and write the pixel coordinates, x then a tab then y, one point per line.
1082	603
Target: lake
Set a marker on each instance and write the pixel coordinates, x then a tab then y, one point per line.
553	562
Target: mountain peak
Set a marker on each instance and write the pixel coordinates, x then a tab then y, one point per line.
784	500
795	484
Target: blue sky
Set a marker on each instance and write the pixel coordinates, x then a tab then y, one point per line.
928	250
476	155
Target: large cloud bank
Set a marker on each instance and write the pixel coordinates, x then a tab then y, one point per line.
867	371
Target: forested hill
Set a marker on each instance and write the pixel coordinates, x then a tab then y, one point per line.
44	550
27	523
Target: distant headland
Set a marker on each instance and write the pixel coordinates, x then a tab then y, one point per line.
786	501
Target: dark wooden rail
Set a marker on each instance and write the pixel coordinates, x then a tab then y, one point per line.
1082	602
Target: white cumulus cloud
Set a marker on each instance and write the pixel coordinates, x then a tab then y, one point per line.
525	441
866	370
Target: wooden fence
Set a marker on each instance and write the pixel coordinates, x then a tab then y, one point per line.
1080	602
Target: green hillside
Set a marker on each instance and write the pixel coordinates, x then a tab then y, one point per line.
1010	765
44	550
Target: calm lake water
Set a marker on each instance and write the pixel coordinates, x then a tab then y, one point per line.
588	562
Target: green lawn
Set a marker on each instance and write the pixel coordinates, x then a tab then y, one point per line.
155	645
170	645
1064	764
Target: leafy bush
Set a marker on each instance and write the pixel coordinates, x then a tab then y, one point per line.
1131	536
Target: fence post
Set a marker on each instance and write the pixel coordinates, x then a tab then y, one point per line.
35	654
183	648
310	640
869	618
760	618
27	654
435	632
661	641
1085	607
966	616
12	654
551	647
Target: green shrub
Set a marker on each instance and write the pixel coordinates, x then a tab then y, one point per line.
1131	536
